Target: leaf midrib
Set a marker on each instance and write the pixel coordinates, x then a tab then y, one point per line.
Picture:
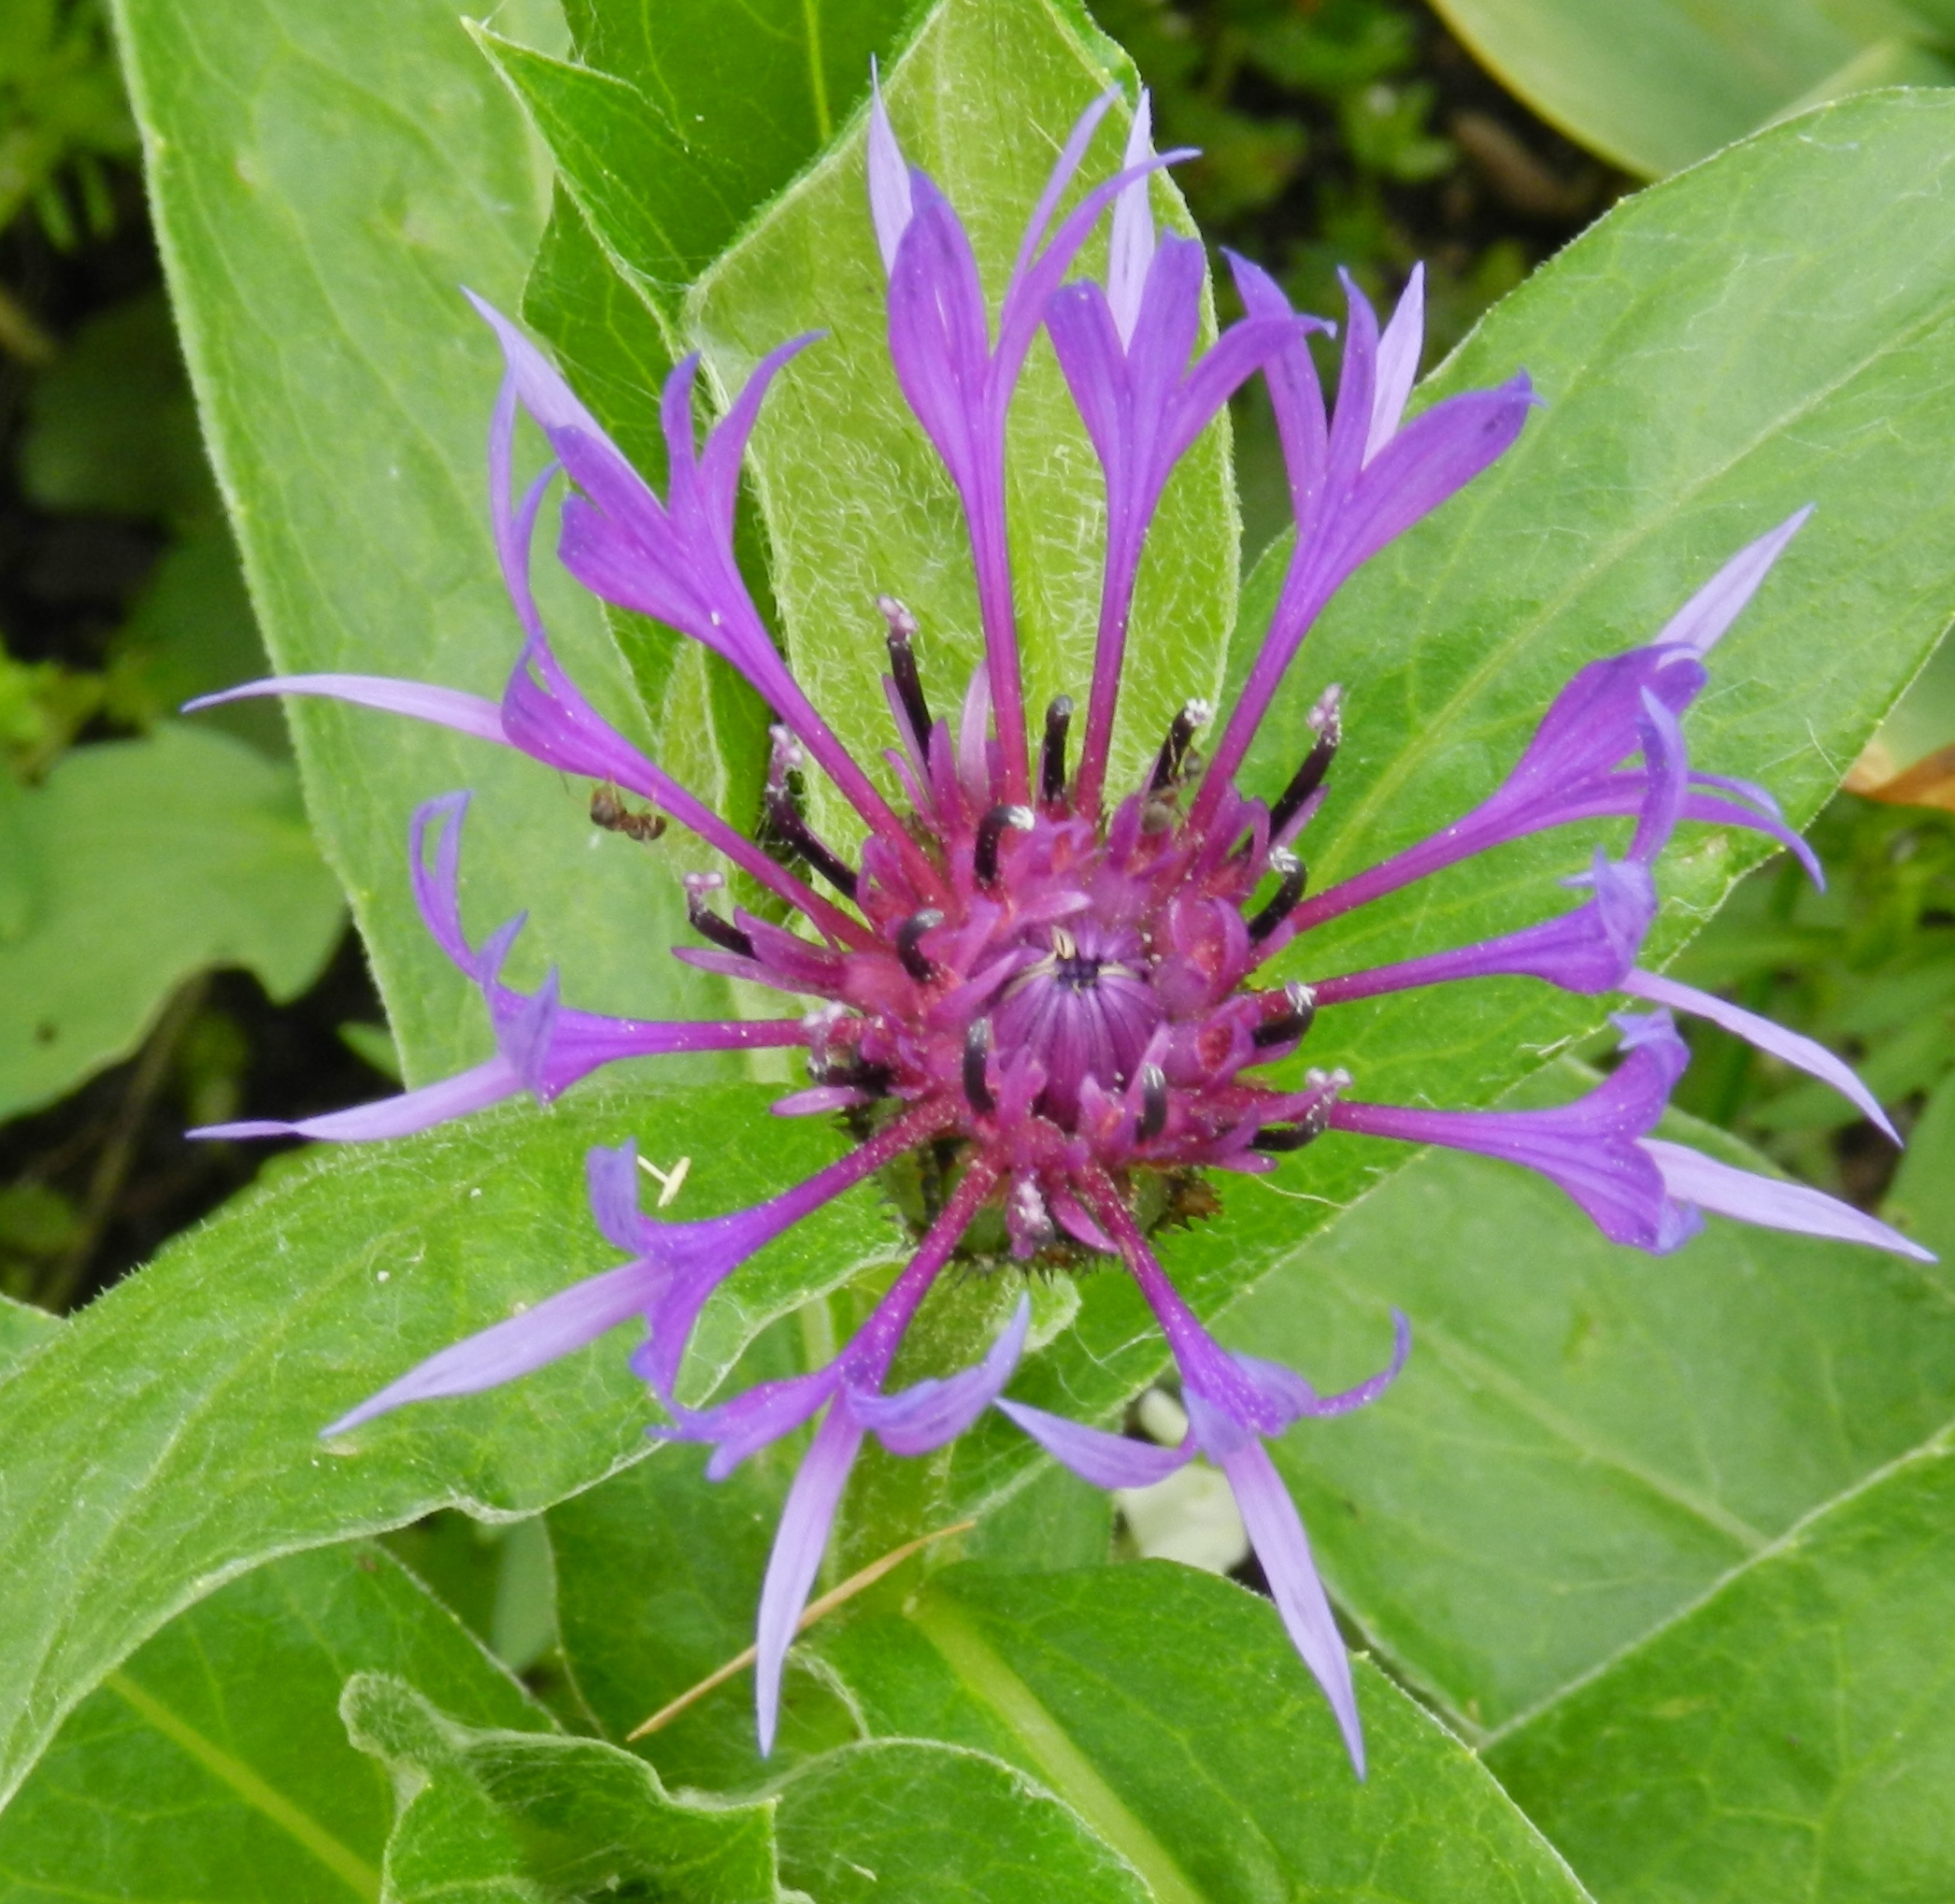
1061	1764
1432	727
305	1830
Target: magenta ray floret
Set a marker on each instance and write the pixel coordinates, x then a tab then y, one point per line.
1056	986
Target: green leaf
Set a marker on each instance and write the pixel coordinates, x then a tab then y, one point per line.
662	156
848	1832
213	1763
1658	87
1791	1735
495	1813
1773	328
1167	1708
854	499
658	1579
345	389
658	1575
23	1330
228	1354
1585	1439
147	862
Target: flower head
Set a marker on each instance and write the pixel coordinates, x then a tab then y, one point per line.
1062	985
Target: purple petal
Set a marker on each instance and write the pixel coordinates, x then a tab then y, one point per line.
741	1427
1588	950
937	1410
1397	364
418	700
1104	1460
1588	1148
700	1255
1703	620
798	1545
1130	249
392	1117
1693	1178
1298	1400
1296	395
611	1181
888	177
1802	1053
556	1326
1423	464
1275	1531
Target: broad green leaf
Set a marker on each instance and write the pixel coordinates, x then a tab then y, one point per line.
1789	1736
1773	328
144	861
1656	87
497	1814
165	1439
1167	1708
722	132
23	1330
908	1821
1585	1438
658	1576
752	106
345	389
854	498
658	1579
213	1763
669	134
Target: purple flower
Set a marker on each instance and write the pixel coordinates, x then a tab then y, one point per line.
1061	982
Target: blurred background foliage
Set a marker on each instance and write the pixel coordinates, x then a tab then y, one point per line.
172	950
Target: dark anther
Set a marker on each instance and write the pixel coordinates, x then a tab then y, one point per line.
609	811
1294	1137
1329	724
1174	749
709	925
903	667
977	1048
1293	1022
795	832
908	934
1290	870
1154	1104
1051	756
859	1075
991	831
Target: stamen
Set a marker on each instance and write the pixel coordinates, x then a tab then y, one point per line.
908	934
977	1048
796	832
1294	1137
1301	1010
708	922
1052	758
1292	873
861	1074
903	669
991	833
1174	749
1154	1104
1327	724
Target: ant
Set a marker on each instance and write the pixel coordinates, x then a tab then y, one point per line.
610	812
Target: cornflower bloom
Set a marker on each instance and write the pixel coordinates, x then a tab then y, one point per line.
1060	984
